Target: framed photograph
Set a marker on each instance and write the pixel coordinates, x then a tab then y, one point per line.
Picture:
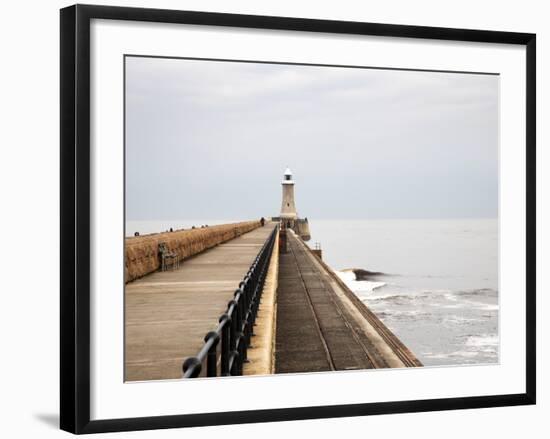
275	218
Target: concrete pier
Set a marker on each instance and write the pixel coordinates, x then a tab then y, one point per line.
322	326
167	314
307	320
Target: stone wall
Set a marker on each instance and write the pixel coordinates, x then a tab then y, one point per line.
142	252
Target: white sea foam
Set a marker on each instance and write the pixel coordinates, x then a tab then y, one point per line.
455	319
475	346
483	341
410	296
357	286
481	306
488	307
454	355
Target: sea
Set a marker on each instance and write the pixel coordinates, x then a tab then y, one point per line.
433	282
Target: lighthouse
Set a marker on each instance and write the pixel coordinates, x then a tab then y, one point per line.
289	216
288	206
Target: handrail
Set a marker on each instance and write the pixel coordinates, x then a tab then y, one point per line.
236	325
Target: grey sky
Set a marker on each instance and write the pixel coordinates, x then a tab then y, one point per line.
210	140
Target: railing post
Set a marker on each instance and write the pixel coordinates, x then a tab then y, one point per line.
192	367
225	322
241	326
233	326
211	358
234	360
234	337
247	285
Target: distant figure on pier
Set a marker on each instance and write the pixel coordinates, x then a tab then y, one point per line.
136	234
171	229
262	221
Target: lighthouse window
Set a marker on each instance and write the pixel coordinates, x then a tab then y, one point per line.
287	177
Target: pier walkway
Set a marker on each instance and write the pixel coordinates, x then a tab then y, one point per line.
321	326
167	314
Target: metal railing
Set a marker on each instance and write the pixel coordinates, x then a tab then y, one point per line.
236	325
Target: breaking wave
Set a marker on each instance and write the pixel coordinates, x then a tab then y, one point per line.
349	277
465	320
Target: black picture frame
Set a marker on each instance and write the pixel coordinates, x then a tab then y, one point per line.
75	217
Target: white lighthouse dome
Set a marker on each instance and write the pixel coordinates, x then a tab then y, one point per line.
287	179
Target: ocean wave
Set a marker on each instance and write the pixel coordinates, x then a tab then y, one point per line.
459	320
350	279
391	314
487	341
362	274
450	355
413	296
487	307
478	292
474	348
455	299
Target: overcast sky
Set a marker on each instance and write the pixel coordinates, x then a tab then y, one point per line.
211	140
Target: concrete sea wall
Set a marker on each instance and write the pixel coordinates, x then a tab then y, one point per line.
390	342
301	227
142	252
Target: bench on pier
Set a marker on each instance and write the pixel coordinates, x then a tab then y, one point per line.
168	258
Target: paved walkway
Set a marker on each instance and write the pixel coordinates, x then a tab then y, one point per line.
167	314
318	327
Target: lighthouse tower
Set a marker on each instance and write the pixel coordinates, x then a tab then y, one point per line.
288	207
